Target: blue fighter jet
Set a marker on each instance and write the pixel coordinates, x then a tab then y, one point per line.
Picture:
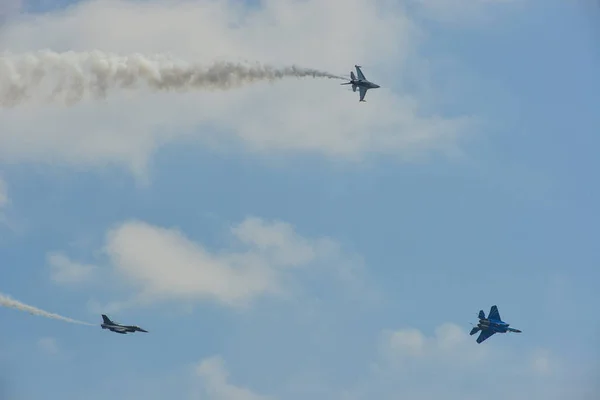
491	325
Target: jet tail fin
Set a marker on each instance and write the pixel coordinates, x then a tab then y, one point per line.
106	319
481	314
352	76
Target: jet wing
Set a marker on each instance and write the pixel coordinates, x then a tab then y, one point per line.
485	335
363	92
359	73
494	314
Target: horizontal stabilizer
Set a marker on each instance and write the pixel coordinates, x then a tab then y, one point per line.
474	331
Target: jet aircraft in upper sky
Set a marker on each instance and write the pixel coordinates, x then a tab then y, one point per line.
491	325
361	83
118	328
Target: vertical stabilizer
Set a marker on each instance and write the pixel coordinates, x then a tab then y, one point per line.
352	76
481	314
106	319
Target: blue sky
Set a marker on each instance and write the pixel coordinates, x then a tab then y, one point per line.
283	241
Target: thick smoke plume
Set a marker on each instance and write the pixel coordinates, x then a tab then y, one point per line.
6	301
70	76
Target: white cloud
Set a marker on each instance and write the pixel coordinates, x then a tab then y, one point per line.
410	341
448	341
450	364
164	264
309	115
542	362
65	271
4	200
215	381
459	11
48	345
9	7
3	193
278	241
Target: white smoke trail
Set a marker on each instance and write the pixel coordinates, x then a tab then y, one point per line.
7	301
72	75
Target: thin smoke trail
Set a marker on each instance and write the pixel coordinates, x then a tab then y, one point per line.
71	75
7	301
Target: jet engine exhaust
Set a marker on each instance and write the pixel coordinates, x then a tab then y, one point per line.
68	77
7	301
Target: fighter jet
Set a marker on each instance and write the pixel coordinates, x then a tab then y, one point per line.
118	328
491	325
362	83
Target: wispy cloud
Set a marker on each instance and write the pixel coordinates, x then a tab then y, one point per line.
4	202
410	359
411	364
459	11
131	126
543	363
448	341
65	271
48	345
3	193
161	264
216	385
9	7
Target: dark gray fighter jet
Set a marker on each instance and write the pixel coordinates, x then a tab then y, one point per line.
118	328
361	83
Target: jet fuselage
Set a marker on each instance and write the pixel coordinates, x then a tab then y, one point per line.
122	328
494	325
365	84
118	328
